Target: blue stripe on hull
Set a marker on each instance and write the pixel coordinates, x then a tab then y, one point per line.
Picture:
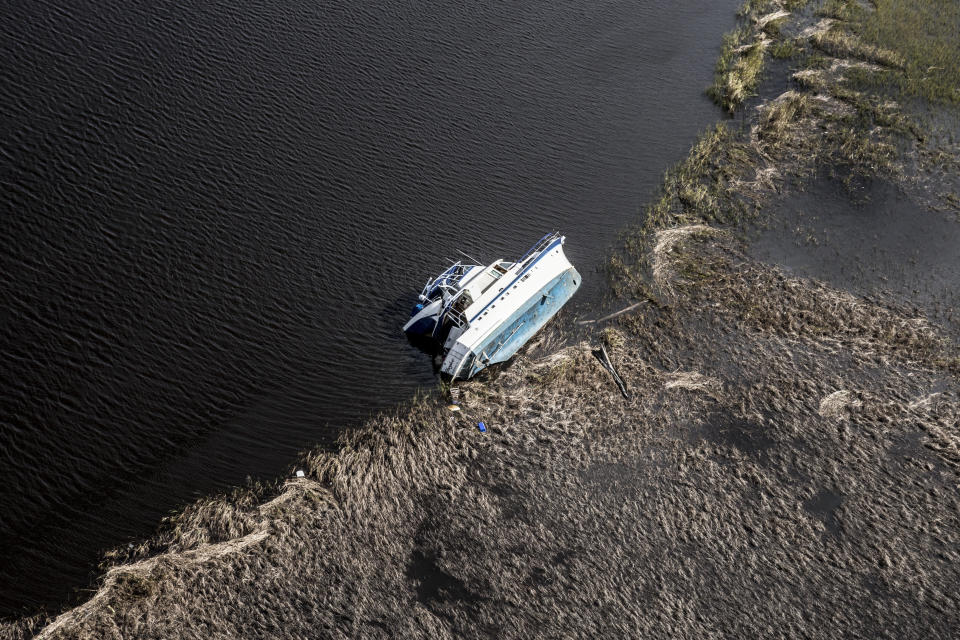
525	322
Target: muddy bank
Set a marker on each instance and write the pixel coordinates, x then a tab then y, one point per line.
787	461
883	243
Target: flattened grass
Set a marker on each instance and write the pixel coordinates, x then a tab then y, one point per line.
841	44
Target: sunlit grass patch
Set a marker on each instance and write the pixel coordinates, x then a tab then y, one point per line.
926	37
842	44
841	10
784	49
738	68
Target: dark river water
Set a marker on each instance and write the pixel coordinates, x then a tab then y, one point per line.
215	217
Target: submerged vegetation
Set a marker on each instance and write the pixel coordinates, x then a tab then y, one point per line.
786	462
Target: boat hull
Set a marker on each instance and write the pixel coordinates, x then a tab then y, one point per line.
522	325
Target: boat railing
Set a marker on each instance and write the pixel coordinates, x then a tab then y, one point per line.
457	318
541	244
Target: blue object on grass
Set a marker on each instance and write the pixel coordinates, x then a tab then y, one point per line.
482	427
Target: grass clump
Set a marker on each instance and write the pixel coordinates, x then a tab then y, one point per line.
135	585
738	68
840	10
755	7
781	114
772	27
613	338
842	44
740	65
784	49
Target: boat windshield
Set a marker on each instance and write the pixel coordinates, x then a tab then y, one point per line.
455	310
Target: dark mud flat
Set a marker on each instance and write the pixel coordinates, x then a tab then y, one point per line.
876	240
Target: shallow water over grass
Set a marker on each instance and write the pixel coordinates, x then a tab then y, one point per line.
876	238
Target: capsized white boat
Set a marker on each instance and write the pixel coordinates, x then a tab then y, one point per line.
480	315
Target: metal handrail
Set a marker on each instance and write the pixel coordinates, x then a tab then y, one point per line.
455	271
456	317
540	244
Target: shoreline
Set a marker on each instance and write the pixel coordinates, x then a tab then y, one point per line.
777	427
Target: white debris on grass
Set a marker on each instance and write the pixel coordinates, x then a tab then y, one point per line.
832	406
763	21
692	381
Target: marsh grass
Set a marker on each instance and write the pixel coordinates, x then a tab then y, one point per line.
698	189
778	118
791	306
918	39
846	116
842	44
925	37
784	49
772	27
738	68
740	65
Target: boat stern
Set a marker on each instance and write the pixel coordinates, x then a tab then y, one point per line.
423	319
